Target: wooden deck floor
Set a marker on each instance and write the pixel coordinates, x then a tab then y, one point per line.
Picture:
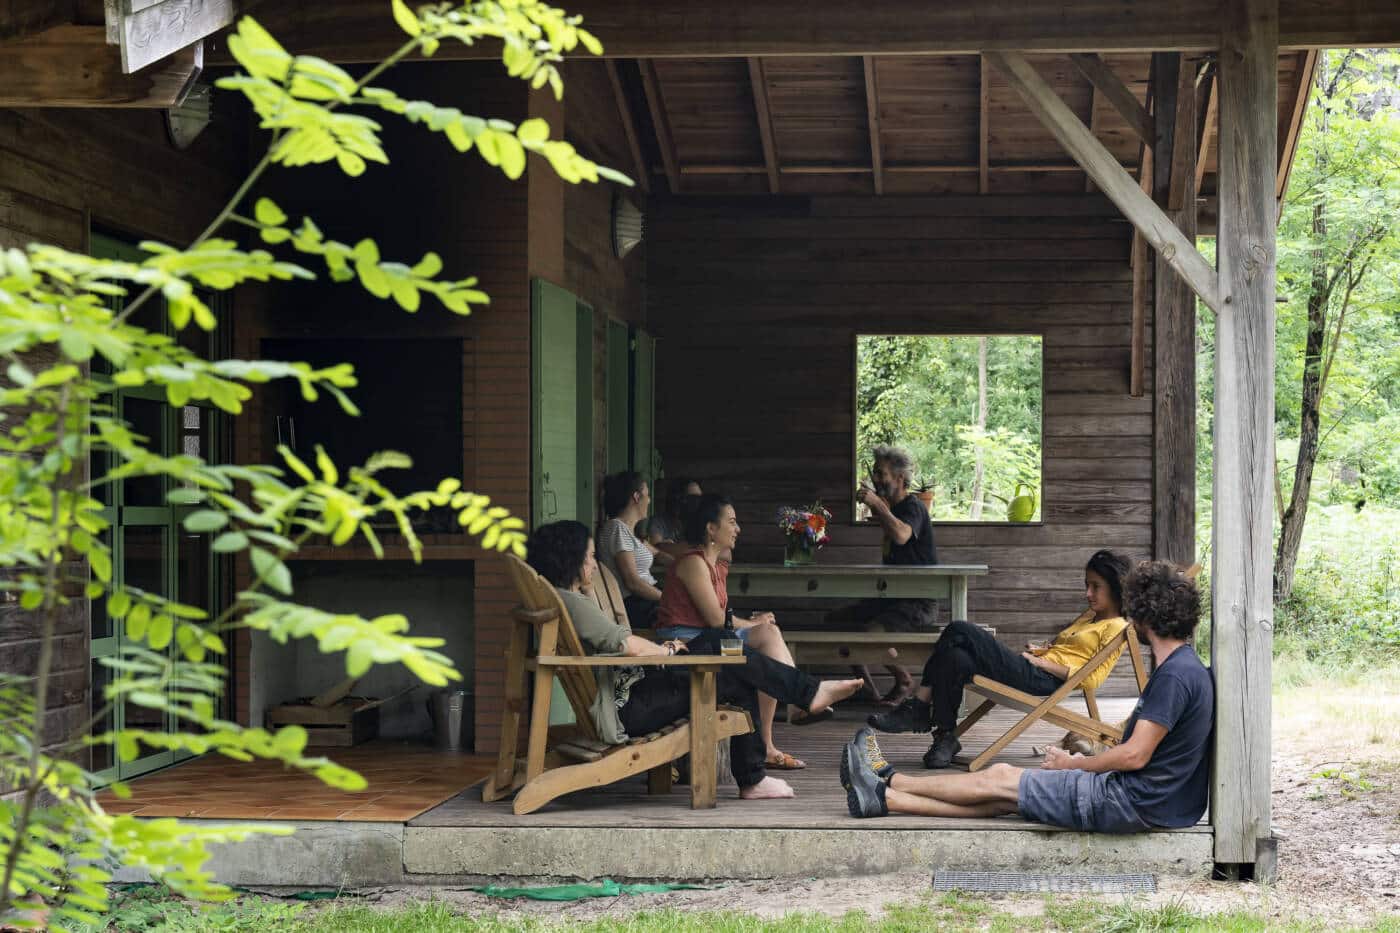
820	801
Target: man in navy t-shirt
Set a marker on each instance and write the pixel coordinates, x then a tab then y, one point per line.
1158	776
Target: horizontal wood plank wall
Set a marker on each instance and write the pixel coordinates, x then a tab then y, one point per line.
756	305
429	197
614	287
57	169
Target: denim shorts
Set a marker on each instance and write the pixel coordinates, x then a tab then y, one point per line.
686	633
1081	800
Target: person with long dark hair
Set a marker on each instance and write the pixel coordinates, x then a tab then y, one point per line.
696	598
635	701
964	650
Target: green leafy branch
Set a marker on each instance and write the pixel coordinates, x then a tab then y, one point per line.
380	278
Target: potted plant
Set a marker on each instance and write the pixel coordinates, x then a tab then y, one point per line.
925	493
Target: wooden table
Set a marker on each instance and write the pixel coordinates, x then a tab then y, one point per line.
857	581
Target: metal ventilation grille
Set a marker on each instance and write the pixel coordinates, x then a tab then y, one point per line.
996	882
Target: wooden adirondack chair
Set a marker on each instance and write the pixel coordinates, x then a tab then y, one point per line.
575	759
1091	727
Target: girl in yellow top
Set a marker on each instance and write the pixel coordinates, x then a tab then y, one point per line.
964	650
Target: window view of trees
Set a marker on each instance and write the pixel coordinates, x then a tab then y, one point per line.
968	409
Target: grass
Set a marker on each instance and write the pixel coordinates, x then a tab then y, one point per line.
1312	697
951	912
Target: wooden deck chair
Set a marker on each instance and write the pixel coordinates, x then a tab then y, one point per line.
1048	709
577	759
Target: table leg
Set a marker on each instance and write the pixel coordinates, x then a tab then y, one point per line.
959	598
703	727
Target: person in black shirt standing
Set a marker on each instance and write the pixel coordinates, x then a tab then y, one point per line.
908	540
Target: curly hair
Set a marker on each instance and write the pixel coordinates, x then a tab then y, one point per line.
898	459
1113	567
1164	599
558	550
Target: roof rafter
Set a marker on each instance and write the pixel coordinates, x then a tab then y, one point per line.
664	142
872	115
765	121
629	127
1106	80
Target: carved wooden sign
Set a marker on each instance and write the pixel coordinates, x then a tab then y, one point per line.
149	30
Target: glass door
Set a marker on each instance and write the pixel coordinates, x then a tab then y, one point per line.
150	549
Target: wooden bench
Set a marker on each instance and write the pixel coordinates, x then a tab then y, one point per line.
837	648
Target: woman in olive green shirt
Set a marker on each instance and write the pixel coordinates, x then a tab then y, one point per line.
639	700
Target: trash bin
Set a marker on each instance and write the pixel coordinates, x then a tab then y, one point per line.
452	712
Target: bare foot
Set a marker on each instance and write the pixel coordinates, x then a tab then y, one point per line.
770	788
833	691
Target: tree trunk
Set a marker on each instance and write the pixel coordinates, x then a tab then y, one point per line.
979	467
1319	293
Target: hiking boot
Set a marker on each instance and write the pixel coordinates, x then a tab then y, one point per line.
870	753
865	793
913	715
940	754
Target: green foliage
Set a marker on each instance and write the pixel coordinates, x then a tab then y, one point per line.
69	338
921	393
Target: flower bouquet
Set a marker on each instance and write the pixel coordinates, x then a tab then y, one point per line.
804	531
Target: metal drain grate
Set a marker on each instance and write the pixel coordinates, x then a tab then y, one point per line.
1015	881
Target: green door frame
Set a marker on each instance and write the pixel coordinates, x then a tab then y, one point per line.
166	517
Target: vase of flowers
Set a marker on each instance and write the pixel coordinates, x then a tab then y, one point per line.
804	533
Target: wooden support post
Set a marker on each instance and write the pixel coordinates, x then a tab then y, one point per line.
1093	128
629	127
872	116
664	142
1241	593
1108	174
1107	83
765	121
1174	320
983	143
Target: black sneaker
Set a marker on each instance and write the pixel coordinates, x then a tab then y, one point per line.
864	791
941	753
913	715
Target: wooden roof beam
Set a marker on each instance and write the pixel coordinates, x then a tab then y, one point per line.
1093	128
872	116
1107	83
765	121
661	125
1208	126
1307	68
1113	180
73	66
983	122
629	127
362	31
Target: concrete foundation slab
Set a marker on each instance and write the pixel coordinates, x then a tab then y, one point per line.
777	853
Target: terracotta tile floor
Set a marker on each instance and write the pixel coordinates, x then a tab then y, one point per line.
404	781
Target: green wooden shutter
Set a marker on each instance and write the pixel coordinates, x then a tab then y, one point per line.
644	459
619	378
561	410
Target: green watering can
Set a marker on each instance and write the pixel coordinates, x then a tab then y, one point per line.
1022	504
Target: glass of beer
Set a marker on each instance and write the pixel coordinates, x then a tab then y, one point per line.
731	645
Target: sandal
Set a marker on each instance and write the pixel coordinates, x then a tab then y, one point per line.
784	762
806	719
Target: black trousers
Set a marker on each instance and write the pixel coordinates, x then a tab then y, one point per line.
964	650
641	612
663	696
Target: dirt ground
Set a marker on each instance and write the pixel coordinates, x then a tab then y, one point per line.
1336	807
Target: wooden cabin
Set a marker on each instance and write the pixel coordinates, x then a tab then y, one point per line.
807	173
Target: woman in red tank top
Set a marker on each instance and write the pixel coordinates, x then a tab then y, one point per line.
695	598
